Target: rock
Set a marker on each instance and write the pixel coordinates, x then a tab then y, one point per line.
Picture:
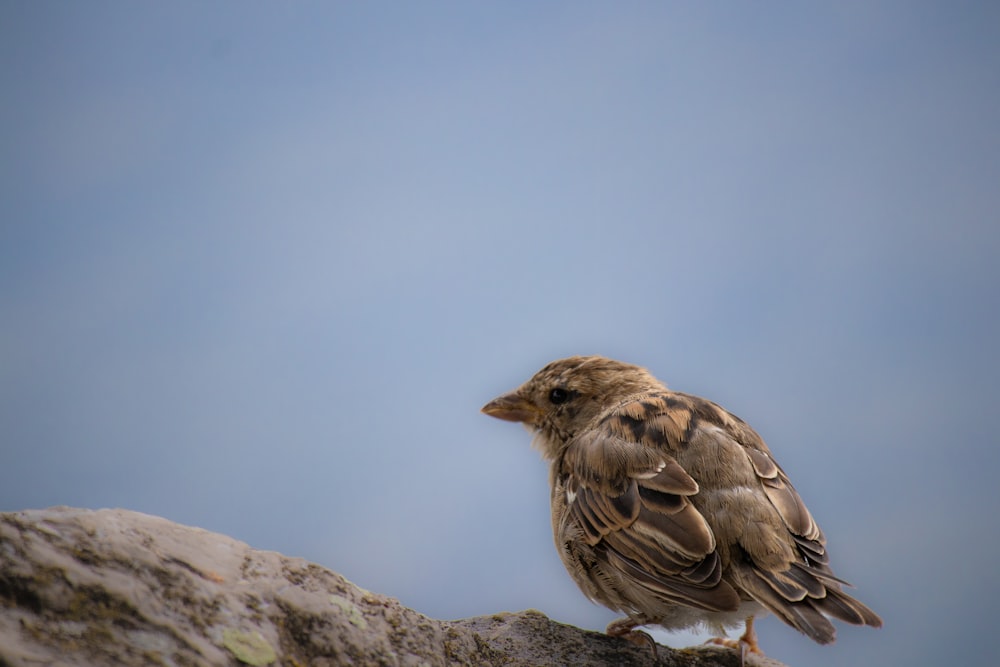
114	587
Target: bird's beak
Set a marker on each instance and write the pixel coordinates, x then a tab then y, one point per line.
513	408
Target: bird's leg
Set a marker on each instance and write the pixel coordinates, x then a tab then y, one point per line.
747	643
626	629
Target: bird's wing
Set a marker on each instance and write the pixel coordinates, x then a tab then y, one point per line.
781	563
631	502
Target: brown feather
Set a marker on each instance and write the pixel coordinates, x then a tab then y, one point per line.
658	501
722	597
838	604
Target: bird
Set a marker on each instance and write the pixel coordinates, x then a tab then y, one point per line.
670	509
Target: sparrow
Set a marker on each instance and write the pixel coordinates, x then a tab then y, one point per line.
672	510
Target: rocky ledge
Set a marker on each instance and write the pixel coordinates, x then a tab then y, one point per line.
114	587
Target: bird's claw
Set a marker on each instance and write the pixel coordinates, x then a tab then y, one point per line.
745	645
625	628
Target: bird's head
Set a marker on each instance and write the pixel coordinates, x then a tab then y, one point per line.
567	395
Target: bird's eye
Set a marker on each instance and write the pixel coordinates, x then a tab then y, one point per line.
558	395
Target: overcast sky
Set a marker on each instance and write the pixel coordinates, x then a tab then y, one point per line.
262	263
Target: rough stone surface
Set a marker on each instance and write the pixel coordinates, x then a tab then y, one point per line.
114	587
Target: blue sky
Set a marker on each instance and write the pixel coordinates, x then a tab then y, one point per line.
261	264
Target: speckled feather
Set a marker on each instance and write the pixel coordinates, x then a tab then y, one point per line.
668	508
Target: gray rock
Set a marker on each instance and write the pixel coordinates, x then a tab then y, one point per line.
114	587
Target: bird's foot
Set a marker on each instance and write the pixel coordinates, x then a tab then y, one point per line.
625	628
746	644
